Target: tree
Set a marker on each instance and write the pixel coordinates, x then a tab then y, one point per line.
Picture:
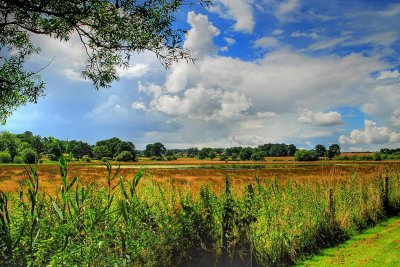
291	150
110	32
30	156
124	156
80	149
278	150
306	155
155	150
258	155
320	149
333	151
100	152
245	153
192	152
9	143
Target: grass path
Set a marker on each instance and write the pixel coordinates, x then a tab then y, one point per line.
378	246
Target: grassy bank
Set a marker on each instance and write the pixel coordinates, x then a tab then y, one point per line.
378	246
165	225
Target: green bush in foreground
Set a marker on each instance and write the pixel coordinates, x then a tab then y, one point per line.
133	223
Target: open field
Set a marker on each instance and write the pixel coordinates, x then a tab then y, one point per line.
197	218
193	173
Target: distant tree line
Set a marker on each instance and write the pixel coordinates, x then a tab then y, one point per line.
30	148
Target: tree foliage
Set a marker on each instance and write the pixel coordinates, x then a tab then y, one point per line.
110	32
333	151
306	155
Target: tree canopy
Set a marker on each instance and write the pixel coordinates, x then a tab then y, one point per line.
109	30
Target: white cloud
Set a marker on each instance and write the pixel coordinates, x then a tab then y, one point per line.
370	135
395	118
388	75
200	37
328	43
320	118
230	41
220	97
133	72
239	10
139	105
312	35
73	75
287	7
277	32
266	42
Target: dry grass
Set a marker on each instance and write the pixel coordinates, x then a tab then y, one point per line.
193	173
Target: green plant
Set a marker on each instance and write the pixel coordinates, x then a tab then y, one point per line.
30	156
306	155
5	157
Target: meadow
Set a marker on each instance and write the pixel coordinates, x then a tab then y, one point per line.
188	212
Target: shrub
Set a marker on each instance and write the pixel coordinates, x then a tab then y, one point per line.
377	156
87	158
105	159
5	157
18	159
257	156
124	156
29	156
305	155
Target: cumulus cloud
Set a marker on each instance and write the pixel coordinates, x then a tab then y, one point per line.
372	134
239	10
266	42
277	32
320	118
267	95
200	37
139	105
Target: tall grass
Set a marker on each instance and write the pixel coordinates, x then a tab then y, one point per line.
129	222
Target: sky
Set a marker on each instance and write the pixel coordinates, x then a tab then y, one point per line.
267	71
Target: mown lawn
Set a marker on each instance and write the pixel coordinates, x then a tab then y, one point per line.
378	246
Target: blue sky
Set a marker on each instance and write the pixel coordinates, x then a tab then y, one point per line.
302	72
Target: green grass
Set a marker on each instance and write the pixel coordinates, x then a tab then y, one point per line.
378	246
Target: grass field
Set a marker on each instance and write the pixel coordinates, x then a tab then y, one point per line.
193	173
378	246
185	214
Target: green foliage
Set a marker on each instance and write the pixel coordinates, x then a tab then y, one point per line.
320	150
155	150
333	151
124	156
87	158
110	32
245	153
30	156
306	155
19	159
5	157
257	156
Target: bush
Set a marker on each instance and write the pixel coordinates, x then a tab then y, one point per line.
29	156
377	156
306	155
124	156
5	157
87	158
18	159
105	159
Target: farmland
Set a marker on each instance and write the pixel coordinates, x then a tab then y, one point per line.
189	212
193	173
